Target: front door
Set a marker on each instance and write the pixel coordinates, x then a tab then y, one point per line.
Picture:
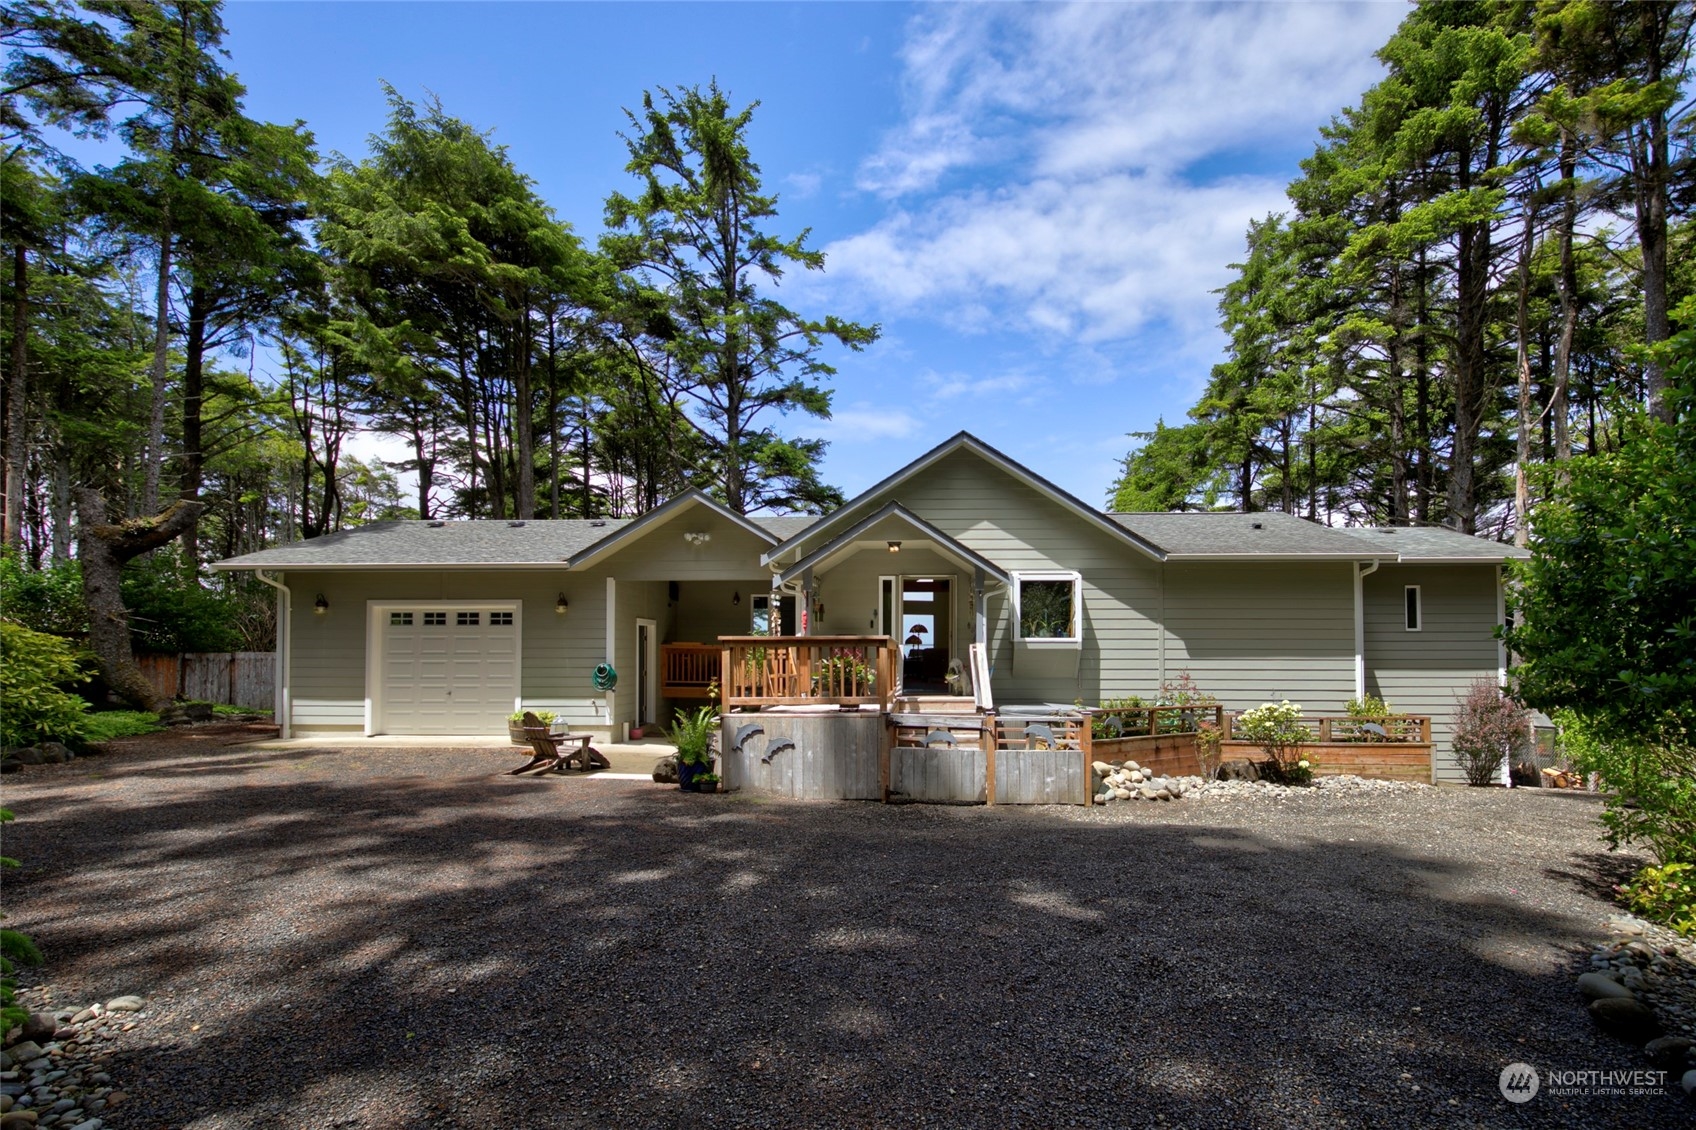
925	630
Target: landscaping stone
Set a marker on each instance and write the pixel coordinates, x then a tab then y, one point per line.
1669	1053
38	1027
1689	1083
1630	1020
24	1051
29	755
1599	986
54	753
665	772
1239	769
126	1004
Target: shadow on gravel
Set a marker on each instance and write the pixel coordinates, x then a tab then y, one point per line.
454	947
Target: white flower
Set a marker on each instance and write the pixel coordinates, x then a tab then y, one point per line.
1304	764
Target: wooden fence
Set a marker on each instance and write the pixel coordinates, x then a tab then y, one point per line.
235	678
806	670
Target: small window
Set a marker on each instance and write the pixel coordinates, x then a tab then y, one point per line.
400	619
759	618
435	619
1049	606
467	619
1414	614
500	619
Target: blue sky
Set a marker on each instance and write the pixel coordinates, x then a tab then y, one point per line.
1034	201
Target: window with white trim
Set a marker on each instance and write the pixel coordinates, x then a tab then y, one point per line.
435	619
1412	613
400	619
1048	607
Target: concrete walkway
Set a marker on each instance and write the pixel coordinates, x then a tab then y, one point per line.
630	760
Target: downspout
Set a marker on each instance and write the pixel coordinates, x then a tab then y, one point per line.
285	606
1360	574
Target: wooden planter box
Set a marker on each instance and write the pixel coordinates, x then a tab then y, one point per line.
516	732
1380	761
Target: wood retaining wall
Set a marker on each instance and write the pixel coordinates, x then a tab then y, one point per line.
1382	761
1168	755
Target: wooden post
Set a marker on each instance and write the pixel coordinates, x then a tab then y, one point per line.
1086	743
1325	729
883	758
1425	730
987	739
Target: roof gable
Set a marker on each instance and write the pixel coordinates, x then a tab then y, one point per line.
867	500
945	544
659	516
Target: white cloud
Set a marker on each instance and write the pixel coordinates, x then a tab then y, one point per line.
863	422
1051	173
952	386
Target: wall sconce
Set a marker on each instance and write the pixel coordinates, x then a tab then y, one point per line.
697	538
895	547
736	598
320	606
561	604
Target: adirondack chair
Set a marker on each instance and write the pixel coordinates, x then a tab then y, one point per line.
545	745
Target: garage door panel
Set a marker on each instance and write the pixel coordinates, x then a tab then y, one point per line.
449	671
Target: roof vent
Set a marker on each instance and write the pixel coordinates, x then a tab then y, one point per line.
437	524
598	522
1255	526
515	525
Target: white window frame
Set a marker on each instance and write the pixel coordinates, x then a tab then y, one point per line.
1418	609
1076	639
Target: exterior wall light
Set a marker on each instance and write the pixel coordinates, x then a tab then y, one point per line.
736	598
320	606
697	538
895	547
561	605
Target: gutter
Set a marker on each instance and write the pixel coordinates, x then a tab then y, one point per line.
1360	574
285	605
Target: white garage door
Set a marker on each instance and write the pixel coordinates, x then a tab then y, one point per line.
447	669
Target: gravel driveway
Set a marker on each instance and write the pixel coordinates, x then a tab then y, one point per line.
396	938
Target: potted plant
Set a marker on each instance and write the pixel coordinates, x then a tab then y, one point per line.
708	783
515	724
693	734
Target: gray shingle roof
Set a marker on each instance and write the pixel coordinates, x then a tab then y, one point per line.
540	542
452	543
1434	543
1225	534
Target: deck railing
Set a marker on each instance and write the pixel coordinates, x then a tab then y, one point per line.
689	670
1147	721
1407	728
806	670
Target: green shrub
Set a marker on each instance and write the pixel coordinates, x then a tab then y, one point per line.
45	600
1651	787
1490	728
1666	894
1277	728
34	670
109	724
172	613
547	717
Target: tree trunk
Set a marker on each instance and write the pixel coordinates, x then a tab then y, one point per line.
1522	333
17	397
524	421
1566	290
103	548
194	394
153	463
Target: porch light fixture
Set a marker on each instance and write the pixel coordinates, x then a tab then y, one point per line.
736	598
697	538
895	547
561	605
320	606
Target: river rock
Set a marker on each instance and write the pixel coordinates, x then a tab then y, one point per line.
1668	1053
55	753
665	772
29	755
38	1026
125	1004
1598	986
1630	1020
24	1052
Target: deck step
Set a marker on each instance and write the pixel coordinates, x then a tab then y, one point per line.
934	704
